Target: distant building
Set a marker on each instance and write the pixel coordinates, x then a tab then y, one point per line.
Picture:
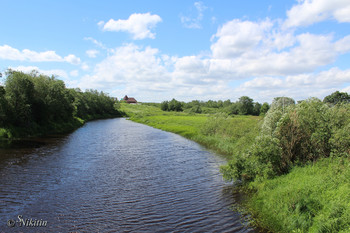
130	100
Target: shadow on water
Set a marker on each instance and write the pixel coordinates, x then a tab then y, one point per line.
19	150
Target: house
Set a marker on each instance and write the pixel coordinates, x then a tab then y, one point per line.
130	100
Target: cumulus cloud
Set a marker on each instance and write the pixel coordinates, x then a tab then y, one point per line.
264	57
236	37
262	48
9	53
307	12
194	22
145	72
139	25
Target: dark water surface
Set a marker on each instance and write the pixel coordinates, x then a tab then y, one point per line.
115	176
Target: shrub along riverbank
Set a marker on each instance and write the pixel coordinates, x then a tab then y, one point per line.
294	162
35	104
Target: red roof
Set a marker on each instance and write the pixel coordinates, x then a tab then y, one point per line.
129	99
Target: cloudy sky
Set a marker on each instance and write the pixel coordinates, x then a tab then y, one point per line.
158	50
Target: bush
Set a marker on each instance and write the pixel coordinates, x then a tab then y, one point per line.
304	133
262	160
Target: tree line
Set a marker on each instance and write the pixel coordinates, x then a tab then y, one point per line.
243	106
35	102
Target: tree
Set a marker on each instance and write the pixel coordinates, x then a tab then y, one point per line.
337	97
164	106
196	109
245	105
19	90
256	109
264	108
282	103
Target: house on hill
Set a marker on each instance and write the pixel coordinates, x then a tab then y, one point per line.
130	100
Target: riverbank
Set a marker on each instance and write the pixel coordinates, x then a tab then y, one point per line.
14	133
308	195
224	134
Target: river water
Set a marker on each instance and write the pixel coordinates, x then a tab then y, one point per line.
115	176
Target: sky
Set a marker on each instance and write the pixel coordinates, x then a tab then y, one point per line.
187	50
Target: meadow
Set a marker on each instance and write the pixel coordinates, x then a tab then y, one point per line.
225	134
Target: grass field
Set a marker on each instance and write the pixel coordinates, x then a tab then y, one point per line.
227	135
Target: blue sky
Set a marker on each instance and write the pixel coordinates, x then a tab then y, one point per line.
158	50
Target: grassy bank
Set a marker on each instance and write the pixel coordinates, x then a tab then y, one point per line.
225	134
314	198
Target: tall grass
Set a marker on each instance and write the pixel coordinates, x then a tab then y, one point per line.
314	198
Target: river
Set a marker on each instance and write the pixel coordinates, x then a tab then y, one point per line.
115	176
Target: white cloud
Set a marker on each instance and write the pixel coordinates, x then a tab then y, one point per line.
72	59
92	53
261	48
300	86
145	73
9	53
236	37
307	12
194	22
275	61
139	25
56	72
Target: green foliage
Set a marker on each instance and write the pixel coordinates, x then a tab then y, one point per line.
281	103
38	104
164	105
196	109
172	105
304	133
256	109
310	132
337	97
264	108
245	105
227	135
261	160
314	198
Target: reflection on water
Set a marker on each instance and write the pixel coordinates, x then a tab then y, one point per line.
115	175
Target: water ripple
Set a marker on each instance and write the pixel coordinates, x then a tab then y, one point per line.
116	176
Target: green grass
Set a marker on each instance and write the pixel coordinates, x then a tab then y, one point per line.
314	198
232	134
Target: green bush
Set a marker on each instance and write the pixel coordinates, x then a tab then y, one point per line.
262	160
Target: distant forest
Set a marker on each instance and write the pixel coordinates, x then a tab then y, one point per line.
243	106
